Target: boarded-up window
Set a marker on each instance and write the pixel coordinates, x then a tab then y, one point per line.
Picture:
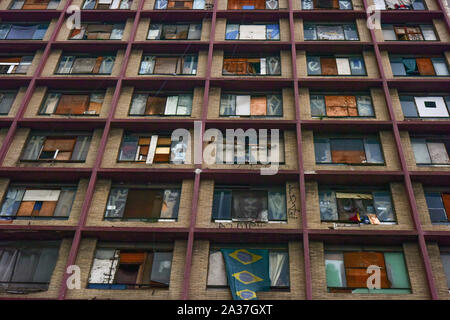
107	4
85	65
169	65
170	105
252	66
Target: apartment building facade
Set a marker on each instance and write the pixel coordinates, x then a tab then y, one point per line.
90	177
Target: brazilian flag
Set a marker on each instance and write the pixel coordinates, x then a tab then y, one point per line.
247	272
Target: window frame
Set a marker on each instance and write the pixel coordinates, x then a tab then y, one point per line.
153	94
246	57
331	24
163	24
335	57
70	93
252	23
341	94
74	58
180	59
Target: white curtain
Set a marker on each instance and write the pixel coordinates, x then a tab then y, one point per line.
276	262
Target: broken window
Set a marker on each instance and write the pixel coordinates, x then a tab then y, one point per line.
314	31
438	203
256	31
348	150
400	5
173	65
162	31
22	202
85	65
327	4
6	100
147	204
56	147
402	66
425	106
269	105
34	4
252	4
341	106
256	66
429	150
130	267
27	266
278	268
334	66
107	5
405	32
346	270
249	204
15	65
152	149
72	104
145	104
22	31
356	206
100	31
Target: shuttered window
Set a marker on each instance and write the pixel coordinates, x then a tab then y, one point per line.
85	65
143	204
257	66
348	150
336	66
249	204
72	104
148	104
98	32
107	4
341	106
251	105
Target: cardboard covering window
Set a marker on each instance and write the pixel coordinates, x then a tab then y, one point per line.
252	32
341	106
328	66
243	105
84	65
343	66
165	65
347	151
425	67
246	4
58	148
143	203
356	264
72	104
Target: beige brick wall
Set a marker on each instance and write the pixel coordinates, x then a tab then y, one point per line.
399	201
100	199
86	256
38	98
3	133
414	265
126	96
64	32
378	103
290	155
387	145
51	66
422	208
135	63
12	158
214	105
204	213
440	279
199	291
112	154
75	212
217	66
56	279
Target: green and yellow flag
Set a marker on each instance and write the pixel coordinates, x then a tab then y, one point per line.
247	272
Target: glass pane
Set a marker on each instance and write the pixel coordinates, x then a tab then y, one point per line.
428	32
45	265
328	206
310	32
420	151
313	66
274	105
221	209
446	263
279	268
273	32
383	206
335	270
128	148
190	65
154	33
184	104
345	5
388	32
408	106
138	104
350	32
398	68
373	151
322	150
6	101
12	201
33	148
317	106
440	66
81	148
277	205
117	32
65	201
171	203
227	105
364	104
162	263
116	203
327	32
161	4
107	65
396	270
195	32
357	66
232	32
147	65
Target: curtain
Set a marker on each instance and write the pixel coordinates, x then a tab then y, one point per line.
273	65
228	105
222	205
217	275
277	205
410	66
250	205
278	262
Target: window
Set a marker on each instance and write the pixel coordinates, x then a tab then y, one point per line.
336	66
34	4
431	150
152	149
44	202
419	66
348	150
400	5
101	31
57	103
327	4
251	151
409	33
445	256
261	204
252	4
85	65
64	147
278	267
356	205
173	65
182	31
15	65
324	105
322	32
438	204
425	106
236	31
124	267
145	104
147	204
256	66
6	100
346	270
264	105
22	31
107	4
27	266
181	5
